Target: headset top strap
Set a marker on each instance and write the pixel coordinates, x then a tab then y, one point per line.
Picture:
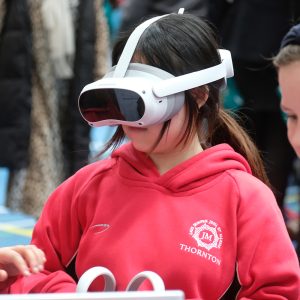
130	46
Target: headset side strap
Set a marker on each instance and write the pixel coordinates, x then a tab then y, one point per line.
189	81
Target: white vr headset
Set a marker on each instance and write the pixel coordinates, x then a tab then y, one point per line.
140	95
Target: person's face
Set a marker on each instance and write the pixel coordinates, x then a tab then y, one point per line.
289	81
143	139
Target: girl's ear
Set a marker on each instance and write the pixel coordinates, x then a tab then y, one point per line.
200	94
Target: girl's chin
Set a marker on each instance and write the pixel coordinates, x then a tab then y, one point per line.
141	147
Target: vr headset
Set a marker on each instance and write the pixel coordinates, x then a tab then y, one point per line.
140	95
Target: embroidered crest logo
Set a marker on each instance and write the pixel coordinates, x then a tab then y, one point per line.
207	233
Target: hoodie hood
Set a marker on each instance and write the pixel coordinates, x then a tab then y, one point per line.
198	170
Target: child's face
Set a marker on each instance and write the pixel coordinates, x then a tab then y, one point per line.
289	81
143	139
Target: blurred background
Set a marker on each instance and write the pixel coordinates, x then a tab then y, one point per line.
50	49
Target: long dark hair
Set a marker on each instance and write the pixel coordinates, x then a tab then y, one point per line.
181	44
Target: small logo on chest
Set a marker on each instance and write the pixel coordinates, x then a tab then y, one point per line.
207	233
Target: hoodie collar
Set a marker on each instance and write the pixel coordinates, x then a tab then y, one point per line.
197	170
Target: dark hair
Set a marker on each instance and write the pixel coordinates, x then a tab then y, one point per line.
181	44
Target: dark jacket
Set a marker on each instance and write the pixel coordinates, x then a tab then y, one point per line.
76	131
15	85
253	29
134	11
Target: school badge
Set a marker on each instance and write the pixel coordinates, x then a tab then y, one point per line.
207	233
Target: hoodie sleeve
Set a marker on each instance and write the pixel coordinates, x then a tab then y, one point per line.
55	282
57	233
267	264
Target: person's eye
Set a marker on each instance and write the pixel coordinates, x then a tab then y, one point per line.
291	117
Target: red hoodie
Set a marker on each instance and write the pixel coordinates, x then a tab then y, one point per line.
195	226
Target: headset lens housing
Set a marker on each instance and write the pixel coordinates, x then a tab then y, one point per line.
111	103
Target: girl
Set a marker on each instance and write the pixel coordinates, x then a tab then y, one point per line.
180	199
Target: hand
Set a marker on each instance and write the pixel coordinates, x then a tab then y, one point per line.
20	260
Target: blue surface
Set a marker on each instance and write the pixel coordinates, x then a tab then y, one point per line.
4	174
15	228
